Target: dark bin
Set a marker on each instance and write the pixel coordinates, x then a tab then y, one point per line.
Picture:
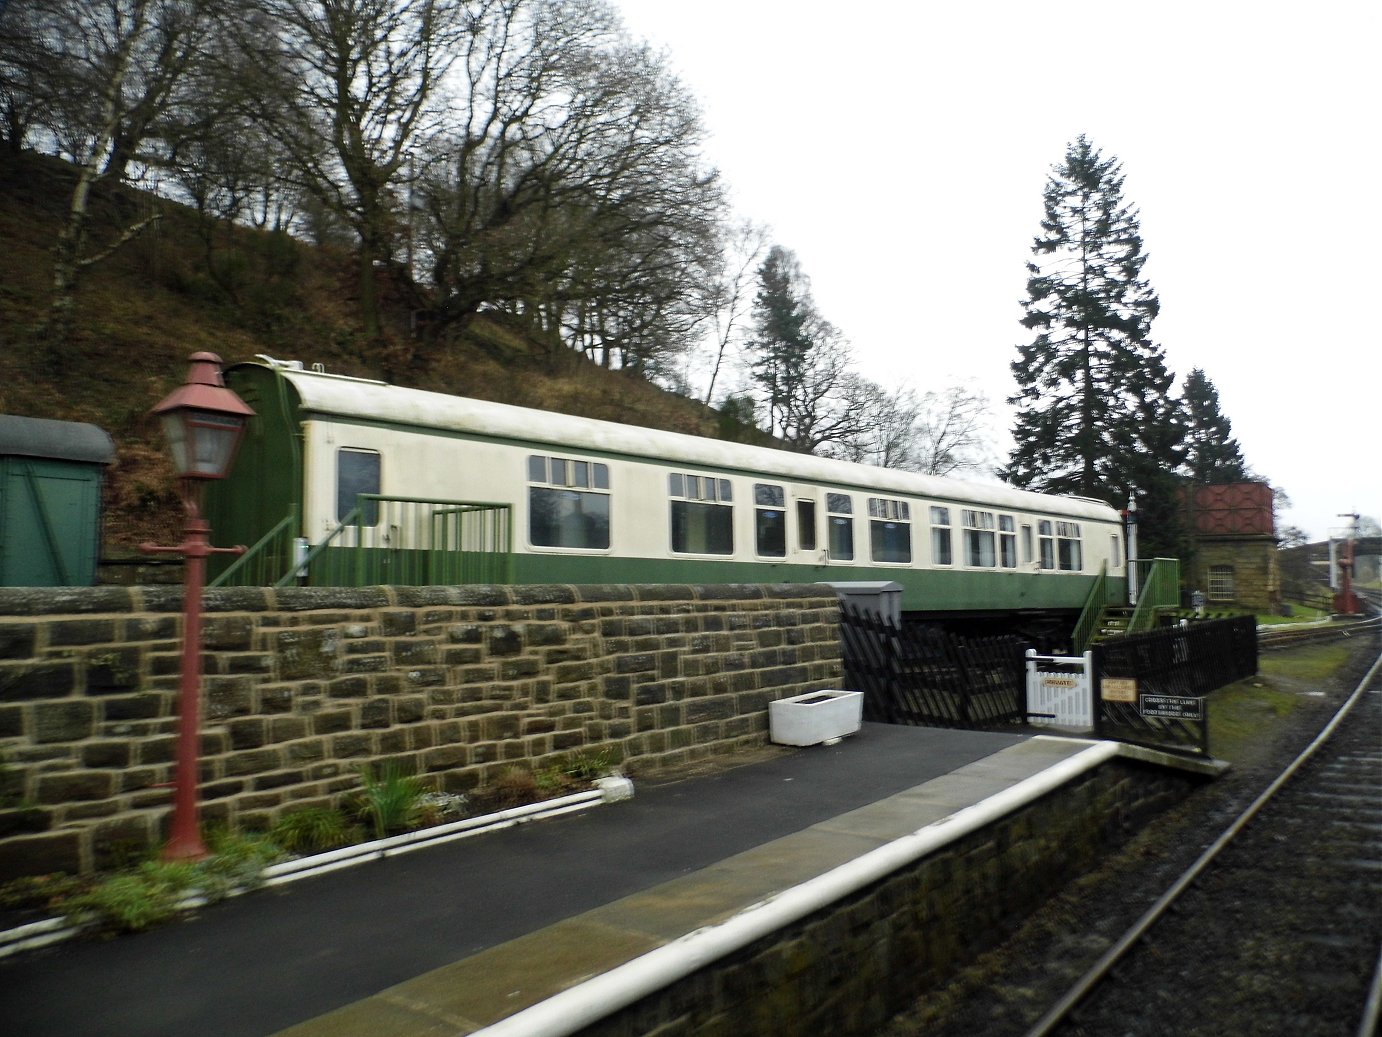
50	501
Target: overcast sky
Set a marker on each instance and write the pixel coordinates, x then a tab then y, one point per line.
900	150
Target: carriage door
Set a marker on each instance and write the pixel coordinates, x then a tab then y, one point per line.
807	546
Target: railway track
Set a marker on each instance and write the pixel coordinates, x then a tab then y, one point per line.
1271	639
1276	928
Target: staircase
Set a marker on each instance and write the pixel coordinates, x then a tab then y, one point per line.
1113	621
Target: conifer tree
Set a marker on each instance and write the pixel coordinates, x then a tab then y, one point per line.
1212	454
1095	414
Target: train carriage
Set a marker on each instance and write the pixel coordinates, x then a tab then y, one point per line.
427	480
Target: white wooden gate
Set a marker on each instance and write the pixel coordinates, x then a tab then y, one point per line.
1060	690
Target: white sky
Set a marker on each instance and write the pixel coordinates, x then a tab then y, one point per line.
900	150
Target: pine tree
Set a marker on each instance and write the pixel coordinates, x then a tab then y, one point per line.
1212	454
800	361
1095	415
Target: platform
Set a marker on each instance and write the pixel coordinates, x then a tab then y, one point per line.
462	937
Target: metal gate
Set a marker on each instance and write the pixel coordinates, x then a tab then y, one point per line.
926	677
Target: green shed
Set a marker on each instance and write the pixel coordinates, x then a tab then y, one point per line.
50	501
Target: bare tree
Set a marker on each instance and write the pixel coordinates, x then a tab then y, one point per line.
346	88
569	186
951	431
729	297
936	433
114	70
29	72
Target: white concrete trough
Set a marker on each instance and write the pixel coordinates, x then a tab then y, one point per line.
816	717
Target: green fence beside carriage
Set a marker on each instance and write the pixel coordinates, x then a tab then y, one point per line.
401	541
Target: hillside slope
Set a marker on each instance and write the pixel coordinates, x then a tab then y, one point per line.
188	284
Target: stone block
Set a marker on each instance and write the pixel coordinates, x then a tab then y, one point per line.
277	780
332	721
253	761
249	662
144	706
305	750
74	786
410	709
248	733
366	664
41	854
37	680
113	670
227	633
349	688
115	753
347	746
227	697
17	640
415	653
66	721
306	653
287	729
504	640
398	623
376	713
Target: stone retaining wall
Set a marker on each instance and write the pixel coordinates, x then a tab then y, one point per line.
851	967
303	686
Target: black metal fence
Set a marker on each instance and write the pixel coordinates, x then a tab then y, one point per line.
1152	686
1149	689
926	677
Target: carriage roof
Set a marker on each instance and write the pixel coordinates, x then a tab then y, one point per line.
374	402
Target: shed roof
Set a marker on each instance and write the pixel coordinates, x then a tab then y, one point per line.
54	440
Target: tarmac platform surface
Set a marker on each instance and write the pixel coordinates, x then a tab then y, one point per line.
454	937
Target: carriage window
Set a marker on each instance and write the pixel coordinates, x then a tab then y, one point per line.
806	525
702	514
940	536
568	503
979	538
1115	558
1026	544
357	472
1068	548
1007	541
770	520
890	530
840	516
1046	543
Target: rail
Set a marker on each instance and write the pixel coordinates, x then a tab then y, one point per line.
412	542
266	560
1094	607
1138	932
1159	583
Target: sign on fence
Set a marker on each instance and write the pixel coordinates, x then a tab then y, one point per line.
1118	689
1178	707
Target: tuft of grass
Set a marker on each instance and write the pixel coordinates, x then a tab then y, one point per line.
237	863
312	830
134	900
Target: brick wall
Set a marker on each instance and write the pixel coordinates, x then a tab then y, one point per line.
302	686
1256	576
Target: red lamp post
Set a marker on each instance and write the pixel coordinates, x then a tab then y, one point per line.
204	422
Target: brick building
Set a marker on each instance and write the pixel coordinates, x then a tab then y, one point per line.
1235	561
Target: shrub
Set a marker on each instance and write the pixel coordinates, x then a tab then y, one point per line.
390	799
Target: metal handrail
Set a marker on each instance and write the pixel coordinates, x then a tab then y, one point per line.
1093	608
262	549
1160	589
